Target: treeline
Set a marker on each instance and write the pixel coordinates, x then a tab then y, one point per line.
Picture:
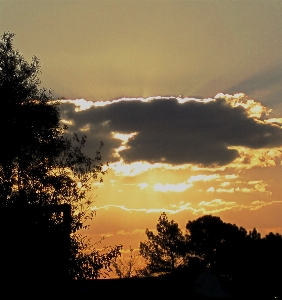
41	167
244	262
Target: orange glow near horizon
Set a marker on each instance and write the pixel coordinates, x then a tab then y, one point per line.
246	191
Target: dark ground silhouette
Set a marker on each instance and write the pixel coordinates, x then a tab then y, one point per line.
34	251
220	260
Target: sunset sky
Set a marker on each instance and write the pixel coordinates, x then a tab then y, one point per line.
186	96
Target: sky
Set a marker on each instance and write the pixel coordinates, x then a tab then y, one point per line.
185	95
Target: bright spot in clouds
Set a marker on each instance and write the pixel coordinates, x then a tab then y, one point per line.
143	185
67	122
85	128
211	189
168	187
123	137
253	108
80	104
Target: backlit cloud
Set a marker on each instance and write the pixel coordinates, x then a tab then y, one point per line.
174	210
143	185
202	208
183	186
220	190
196	178
207	132
216	202
259	204
168	187
257	186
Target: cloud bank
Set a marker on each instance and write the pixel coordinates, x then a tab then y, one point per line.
167	130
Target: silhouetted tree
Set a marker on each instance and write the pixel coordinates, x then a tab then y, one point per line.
39	165
246	264
91	263
163	251
270	263
125	267
215	242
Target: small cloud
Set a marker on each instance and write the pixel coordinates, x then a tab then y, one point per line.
168	187
143	185
196	178
258	202
123	137
132	232
231	176
259	186
216	202
85	128
256	186
67	122
255	182
106	235
121	168
225	190
112	182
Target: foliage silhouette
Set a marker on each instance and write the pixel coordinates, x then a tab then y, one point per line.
214	241
245	263
125	267
39	164
163	251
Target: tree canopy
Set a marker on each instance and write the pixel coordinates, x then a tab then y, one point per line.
163	251
244	262
39	164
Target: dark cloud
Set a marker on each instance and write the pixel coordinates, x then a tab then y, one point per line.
192	132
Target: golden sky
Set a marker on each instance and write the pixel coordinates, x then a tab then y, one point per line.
186	96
